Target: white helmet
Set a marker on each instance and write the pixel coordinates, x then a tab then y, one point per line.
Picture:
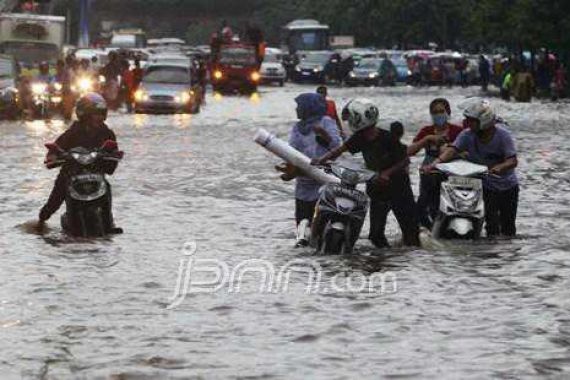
481	110
361	113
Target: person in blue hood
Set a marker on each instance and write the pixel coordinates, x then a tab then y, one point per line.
313	135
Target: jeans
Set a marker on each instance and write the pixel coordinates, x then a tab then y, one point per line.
501	211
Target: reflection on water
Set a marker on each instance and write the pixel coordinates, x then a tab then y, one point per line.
98	308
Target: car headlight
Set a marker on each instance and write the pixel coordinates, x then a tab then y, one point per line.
140	95
218	74
372	75
255	76
297	68
352	74
317	69
184	98
57	86
39	88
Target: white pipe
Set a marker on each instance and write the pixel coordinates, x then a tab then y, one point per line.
292	156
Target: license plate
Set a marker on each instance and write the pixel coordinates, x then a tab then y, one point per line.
465	181
306	74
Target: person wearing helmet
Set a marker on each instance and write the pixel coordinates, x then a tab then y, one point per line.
331	109
428	200
388	157
313	135
90	132
43	73
486	141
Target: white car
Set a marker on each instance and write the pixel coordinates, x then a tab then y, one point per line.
169	59
272	70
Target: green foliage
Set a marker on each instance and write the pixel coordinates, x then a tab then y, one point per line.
407	23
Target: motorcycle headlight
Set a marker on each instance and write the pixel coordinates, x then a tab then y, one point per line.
39	88
85	159
218	74
465	201
345	205
58	86
102	79
85	84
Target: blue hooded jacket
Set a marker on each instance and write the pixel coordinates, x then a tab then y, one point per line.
312	112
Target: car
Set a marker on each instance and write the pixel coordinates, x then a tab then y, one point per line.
473	77
9	108
313	67
272	69
169	58
167	88
373	72
403	72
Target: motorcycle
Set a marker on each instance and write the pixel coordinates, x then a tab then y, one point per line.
462	209
88	202
340	211
55	91
40	100
85	84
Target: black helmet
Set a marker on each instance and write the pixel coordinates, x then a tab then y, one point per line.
89	104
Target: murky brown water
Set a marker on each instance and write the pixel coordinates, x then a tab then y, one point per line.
98	309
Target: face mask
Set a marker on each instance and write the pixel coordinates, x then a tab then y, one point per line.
440	120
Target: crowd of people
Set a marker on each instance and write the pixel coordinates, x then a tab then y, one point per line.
483	139
117	81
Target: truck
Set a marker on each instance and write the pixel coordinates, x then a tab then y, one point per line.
128	38
32	38
235	66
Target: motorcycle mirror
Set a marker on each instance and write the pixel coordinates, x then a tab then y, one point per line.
52	147
110	145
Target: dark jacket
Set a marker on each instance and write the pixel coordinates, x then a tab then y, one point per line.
77	136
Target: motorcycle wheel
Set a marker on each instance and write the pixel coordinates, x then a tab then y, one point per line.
334	242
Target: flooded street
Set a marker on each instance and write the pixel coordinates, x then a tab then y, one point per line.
106	309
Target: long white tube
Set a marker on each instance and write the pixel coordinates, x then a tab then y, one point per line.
292	156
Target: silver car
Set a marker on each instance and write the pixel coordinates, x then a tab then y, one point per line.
167	88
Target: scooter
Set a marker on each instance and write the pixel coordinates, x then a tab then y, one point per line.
340	211
40	100
462	209
88	197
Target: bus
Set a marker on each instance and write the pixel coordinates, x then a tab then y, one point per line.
305	35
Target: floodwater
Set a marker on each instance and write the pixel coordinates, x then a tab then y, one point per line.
196	188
